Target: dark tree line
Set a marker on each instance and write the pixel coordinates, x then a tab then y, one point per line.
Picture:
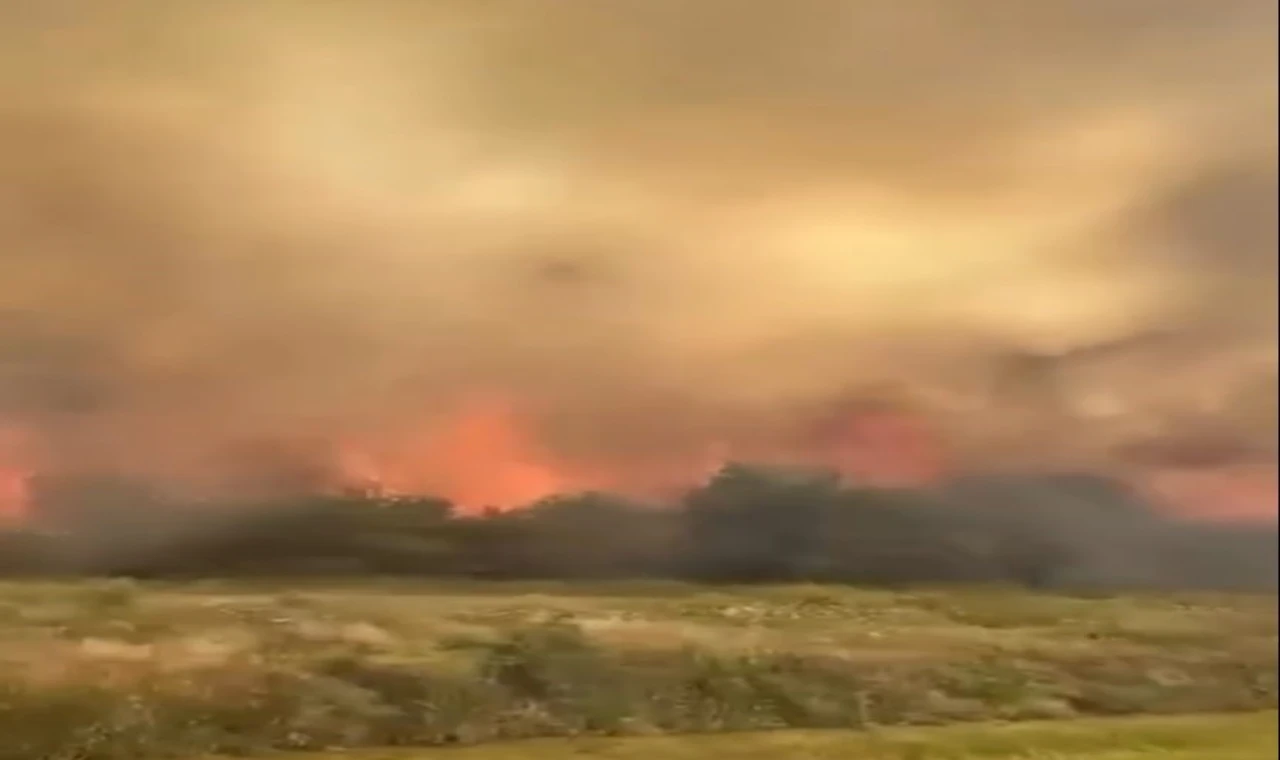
747	524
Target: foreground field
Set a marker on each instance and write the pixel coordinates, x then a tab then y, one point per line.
1216	737
112	670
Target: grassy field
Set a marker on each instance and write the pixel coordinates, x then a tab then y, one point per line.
1210	737
112	670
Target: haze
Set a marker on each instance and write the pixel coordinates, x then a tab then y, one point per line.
604	244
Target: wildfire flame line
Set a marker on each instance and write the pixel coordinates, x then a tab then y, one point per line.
489	455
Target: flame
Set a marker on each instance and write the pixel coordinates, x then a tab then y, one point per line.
489	455
484	456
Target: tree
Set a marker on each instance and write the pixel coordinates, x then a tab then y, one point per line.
102	520
596	535
903	536
757	524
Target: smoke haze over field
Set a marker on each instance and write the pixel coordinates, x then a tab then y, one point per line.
502	248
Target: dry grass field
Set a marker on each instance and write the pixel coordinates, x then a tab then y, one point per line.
114	669
1201	737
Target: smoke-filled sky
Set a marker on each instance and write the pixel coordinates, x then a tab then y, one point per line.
618	237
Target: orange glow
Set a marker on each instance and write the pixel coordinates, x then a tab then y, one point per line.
15	472
1248	493
482	457
488	455
883	446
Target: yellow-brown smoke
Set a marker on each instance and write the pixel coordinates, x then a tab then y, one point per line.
645	233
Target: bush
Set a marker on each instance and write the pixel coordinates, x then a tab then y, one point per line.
746	524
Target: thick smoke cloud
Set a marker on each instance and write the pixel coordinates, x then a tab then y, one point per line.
649	228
